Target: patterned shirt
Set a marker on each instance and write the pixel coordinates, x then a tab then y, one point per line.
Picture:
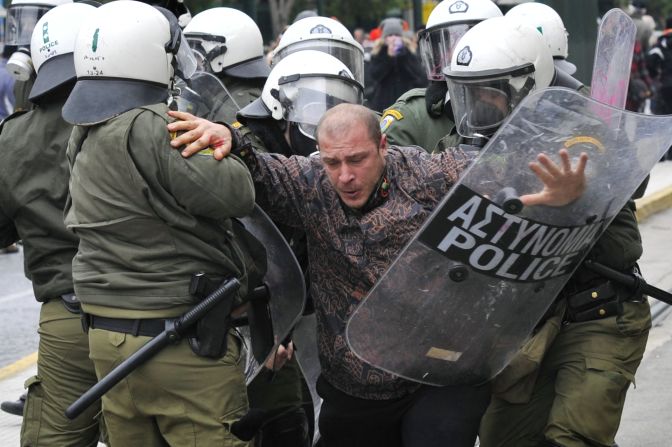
348	251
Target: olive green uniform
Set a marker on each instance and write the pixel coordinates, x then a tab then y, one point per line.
408	123
573	386
33	190
147	220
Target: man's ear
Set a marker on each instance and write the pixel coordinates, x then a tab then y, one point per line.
383	144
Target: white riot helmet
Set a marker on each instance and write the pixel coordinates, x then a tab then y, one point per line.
228	41
326	35
488	78
126	56
53	44
449	20
22	15
303	86
548	22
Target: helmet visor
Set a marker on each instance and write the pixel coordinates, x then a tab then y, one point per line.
187	62
20	23
206	48
480	104
436	48
351	56
306	98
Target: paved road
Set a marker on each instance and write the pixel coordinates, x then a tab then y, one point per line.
647	417
18	330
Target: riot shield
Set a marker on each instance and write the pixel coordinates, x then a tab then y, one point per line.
190	101
203	96
218	96
613	58
270	321
464	294
305	339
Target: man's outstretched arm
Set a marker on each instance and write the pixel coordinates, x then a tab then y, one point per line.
280	182
562	184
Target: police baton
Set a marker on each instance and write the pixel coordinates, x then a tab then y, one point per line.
635	282
173	333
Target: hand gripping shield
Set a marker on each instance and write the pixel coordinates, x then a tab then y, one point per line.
461	298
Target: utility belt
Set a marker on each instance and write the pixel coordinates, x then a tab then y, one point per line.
142	327
602	300
145	327
207	338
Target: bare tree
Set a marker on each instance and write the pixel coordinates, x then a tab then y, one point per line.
280	10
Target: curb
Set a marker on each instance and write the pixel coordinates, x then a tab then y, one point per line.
654	203
18	366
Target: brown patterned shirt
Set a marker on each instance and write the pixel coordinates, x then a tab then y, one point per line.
349	251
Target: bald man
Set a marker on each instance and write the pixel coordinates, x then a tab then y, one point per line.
359	203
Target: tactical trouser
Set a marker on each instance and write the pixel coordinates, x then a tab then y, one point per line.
175	399
579	393
64	372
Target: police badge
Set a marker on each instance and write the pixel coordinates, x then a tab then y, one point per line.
458	7
464	56
320	29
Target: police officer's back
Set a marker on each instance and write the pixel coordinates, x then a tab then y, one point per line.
147	220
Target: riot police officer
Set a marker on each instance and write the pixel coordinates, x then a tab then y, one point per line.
34	179
422	116
22	15
143	233
567	386
229	45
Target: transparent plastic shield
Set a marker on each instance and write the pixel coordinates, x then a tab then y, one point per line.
187	62
20	23
481	105
305	340
466	292
351	56
211	92
307	98
613	58
436	47
283	279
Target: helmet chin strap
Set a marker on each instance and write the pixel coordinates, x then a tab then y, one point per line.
173	45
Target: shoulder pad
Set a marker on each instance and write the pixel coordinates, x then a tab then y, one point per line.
413	93
158	109
11	117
